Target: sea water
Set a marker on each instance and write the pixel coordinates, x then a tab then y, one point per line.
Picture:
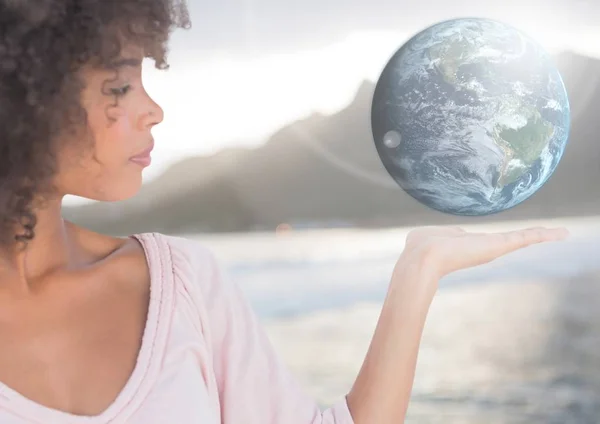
513	341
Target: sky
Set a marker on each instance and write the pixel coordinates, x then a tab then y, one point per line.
248	67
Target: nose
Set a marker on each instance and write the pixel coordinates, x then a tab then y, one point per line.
153	116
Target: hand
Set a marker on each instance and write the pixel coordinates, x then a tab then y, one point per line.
447	249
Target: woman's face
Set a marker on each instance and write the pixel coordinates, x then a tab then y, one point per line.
106	169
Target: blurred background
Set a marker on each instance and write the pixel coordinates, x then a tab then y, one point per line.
266	155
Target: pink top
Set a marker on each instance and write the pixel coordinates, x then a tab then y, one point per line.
204	358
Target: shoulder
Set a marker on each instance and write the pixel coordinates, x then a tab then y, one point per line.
191	260
193	252
201	277
177	247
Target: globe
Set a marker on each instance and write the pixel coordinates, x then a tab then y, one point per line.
470	117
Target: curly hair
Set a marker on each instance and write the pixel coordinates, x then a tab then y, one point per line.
43	45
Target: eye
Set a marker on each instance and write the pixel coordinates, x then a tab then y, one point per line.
121	91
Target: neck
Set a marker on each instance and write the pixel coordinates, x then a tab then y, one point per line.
49	250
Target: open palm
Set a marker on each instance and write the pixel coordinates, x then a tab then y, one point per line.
452	248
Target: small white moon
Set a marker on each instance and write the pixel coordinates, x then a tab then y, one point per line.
392	139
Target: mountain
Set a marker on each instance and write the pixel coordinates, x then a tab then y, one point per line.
324	170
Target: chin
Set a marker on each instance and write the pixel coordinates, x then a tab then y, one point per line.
115	191
123	192
121	195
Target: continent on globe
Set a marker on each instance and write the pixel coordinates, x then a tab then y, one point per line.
470	117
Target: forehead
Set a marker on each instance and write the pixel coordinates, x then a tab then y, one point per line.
125	62
130	56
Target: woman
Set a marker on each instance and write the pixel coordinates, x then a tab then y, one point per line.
145	329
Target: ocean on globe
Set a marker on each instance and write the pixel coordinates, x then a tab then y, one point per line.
470	117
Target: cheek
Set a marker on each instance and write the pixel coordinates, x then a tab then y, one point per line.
102	171
99	153
113	145
117	178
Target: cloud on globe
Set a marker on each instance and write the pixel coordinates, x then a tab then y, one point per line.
470	117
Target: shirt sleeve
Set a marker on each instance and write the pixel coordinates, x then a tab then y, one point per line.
254	385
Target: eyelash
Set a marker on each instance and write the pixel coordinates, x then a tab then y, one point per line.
120	92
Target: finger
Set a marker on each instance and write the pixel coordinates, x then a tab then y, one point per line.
507	242
522	238
449	230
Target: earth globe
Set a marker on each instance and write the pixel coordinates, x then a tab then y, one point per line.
470	117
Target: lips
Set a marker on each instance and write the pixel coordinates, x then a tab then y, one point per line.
143	158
